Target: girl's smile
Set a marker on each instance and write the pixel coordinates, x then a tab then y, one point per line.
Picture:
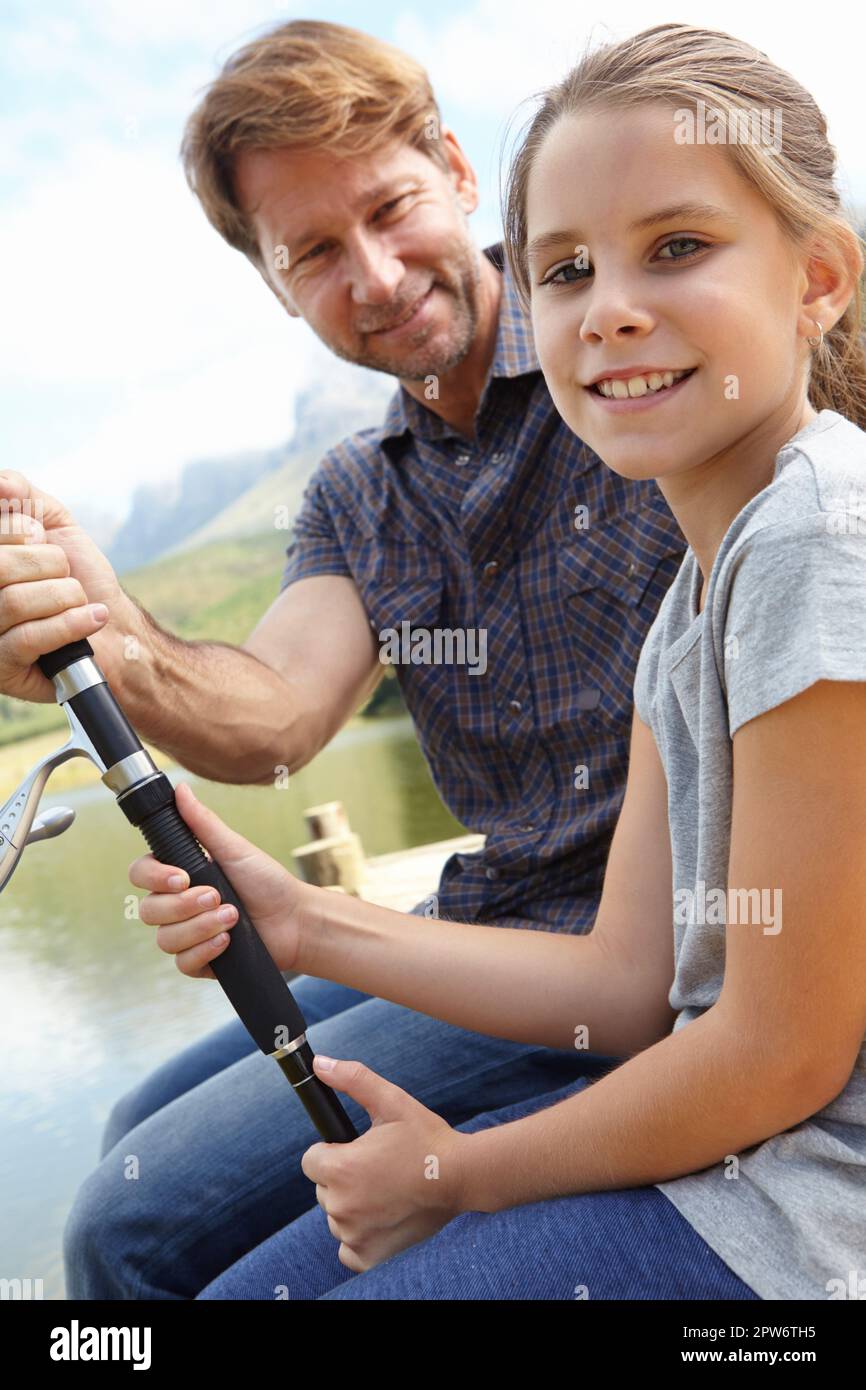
645	399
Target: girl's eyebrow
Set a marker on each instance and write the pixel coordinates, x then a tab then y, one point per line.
687	212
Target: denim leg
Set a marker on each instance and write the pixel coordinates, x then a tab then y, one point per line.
216	1171
631	1243
317	999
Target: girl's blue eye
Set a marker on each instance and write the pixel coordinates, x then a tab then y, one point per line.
582	274
675	240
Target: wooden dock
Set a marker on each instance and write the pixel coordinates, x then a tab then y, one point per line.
334	858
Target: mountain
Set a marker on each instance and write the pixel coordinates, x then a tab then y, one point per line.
160	515
236	495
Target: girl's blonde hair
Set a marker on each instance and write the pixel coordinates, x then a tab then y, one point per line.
306	85
680	65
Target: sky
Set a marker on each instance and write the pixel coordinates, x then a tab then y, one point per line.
134	339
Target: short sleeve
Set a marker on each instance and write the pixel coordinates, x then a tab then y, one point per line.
642	691
315	547
794	611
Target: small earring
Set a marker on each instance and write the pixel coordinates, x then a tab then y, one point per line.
817	342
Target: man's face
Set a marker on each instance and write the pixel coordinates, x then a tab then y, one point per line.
371	242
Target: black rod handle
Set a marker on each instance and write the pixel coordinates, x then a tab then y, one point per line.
58	660
248	975
319	1100
245	970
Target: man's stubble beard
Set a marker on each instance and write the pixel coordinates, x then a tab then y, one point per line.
461	282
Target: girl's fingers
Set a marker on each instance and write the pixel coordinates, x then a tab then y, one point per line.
177	937
148	872
194	962
163	909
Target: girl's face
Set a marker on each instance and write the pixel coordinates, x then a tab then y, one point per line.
712	288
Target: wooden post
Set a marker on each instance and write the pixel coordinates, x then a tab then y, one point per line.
326	820
334	857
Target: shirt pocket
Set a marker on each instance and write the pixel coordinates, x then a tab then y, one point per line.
402	583
610	587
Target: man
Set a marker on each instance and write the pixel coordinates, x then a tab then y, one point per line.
319	153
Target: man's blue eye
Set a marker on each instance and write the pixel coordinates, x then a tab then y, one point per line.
323	245
386	207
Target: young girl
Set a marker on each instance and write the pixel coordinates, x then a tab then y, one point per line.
726	1156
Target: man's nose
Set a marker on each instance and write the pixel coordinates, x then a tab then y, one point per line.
374	273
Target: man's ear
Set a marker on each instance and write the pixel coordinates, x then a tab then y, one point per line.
461	173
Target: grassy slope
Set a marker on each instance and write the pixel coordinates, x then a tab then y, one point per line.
217	592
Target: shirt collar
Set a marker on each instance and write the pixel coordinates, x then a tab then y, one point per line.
514	355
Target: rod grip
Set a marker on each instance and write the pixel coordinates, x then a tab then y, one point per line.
58	660
246	971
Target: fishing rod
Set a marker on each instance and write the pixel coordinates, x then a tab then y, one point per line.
245	969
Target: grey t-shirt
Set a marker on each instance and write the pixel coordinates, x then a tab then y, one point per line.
785	607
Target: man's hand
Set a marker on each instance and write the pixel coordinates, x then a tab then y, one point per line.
50	576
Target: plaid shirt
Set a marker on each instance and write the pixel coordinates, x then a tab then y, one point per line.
441	532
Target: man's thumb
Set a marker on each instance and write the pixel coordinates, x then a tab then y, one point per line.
18	493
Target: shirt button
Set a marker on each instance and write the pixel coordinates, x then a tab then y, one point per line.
491	873
515	705
491	569
632	570
528	826
497	457
588	698
462	459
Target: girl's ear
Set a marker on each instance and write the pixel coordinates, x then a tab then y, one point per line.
831	274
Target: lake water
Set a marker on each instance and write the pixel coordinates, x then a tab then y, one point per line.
89	1005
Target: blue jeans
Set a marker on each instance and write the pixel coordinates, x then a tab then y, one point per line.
202	1162
199	1191
625	1244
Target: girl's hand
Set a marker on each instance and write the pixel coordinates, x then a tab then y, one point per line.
398	1183
194	934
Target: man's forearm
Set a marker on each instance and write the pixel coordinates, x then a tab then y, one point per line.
217	710
691	1100
549	988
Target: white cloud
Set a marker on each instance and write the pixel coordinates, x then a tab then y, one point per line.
110	271
111	275
163	22
493	55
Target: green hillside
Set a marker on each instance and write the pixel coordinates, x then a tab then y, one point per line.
217	592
